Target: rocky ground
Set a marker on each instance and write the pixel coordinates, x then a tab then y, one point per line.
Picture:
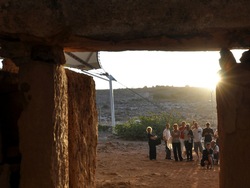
125	164
190	103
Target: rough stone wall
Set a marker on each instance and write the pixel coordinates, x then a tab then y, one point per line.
131	24
233	104
82	130
44	137
43	126
60	165
9	66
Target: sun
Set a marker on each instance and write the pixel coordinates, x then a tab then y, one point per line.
212	82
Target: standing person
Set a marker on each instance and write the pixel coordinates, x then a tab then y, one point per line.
207	133
166	137
197	132
193	124
216	137
215	148
181	129
151	143
188	141
176	143
207	156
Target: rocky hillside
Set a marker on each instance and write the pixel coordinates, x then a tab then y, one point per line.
189	102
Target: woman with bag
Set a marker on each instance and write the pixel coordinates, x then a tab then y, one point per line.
151	142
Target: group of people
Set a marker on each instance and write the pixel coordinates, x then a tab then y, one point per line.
183	139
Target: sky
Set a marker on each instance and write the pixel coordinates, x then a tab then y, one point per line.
137	69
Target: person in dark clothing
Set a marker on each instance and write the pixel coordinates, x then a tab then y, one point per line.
151	143
207	156
188	141
208	134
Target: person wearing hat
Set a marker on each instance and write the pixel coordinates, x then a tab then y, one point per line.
151	143
208	134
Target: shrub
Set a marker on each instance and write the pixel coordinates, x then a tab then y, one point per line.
135	129
104	128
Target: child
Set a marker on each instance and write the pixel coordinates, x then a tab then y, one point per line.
207	156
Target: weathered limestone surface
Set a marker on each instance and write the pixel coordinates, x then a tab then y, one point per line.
129	24
233	104
9	66
52	156
82	130
43	126
60	156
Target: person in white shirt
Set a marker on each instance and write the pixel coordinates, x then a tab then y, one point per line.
197	136
215	148
166	138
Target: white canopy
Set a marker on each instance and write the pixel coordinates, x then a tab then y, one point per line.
82	60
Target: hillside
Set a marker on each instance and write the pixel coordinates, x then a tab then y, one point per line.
189	102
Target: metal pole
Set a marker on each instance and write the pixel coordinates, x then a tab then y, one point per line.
112	101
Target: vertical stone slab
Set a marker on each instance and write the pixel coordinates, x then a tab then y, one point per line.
233	106
60	160
43	126
82	130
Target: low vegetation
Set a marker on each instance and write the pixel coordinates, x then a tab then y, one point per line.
135	129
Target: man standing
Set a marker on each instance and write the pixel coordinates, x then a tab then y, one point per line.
207	133
166	137
197	131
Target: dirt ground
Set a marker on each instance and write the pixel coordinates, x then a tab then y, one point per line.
122	164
